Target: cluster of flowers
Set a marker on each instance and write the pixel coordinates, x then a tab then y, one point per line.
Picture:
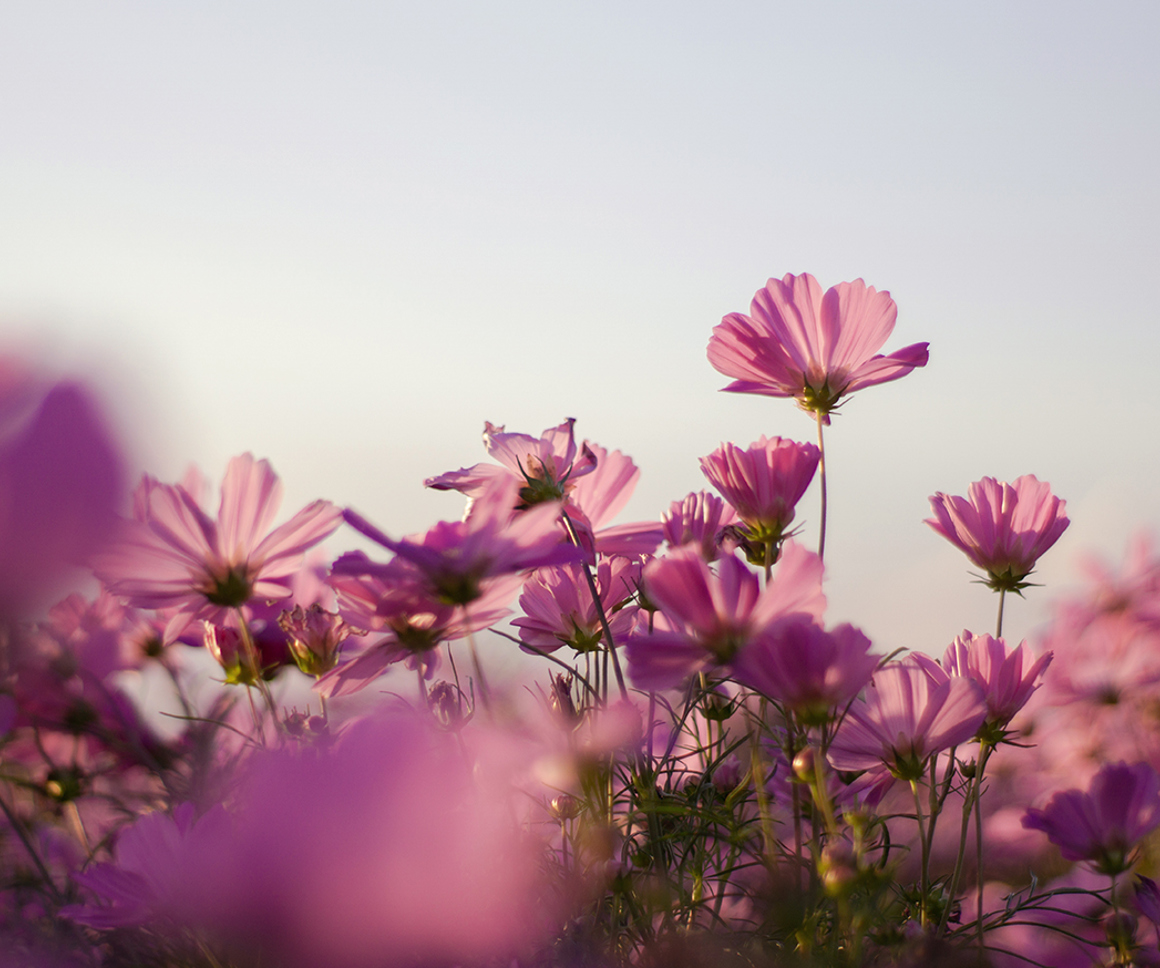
705	770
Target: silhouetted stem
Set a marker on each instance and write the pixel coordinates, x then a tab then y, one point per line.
999	623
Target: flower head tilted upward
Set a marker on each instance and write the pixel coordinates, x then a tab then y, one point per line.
1003	528
816	348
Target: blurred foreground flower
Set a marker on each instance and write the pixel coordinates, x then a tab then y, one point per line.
1103	824
61	481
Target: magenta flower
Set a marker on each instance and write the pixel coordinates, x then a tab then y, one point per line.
592	483
711	617
1104	824
812	347
1003	528
455	557
909	715
1008	676
811	671
701	519
763	483
546	467
173	556
558	605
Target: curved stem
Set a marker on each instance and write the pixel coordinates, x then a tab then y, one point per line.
822	478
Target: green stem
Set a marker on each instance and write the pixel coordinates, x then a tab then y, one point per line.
999	623
822	479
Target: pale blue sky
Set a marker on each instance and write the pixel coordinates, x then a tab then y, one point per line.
343	235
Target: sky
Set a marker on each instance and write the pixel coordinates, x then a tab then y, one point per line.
344	235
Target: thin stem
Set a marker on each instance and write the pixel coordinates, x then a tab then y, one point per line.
599	605
15	824
925	844
999	623
484	691
822	479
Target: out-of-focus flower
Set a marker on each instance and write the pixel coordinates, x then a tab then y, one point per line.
700	519
909	714
455	557
558	606
61	480
316	636
711	617
393	848
811	671
1003	528
1103	824
811	347
1008	676
174	556
395	599
763	483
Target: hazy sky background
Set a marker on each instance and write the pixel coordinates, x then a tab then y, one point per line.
343	235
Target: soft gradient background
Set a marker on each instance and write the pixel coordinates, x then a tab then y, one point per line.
343	235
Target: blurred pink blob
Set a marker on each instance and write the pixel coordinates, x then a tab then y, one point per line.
61	482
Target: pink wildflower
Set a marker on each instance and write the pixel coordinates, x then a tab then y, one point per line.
909	715
711	617
700	519
811	671
763	483
174	556
812	347
559	610
1003	528
455	557
1008	676
1104	824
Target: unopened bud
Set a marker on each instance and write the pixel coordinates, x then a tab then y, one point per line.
805	765
564	807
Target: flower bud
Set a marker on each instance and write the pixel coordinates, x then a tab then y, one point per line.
564	807
805	765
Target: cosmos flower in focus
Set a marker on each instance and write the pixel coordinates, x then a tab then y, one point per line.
1003	528
812	347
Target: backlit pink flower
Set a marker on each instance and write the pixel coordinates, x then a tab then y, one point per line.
909	714
1105	823
558	607
763	483
700	519
174	556
711	616
1003	528
1008	676
812	347
811	671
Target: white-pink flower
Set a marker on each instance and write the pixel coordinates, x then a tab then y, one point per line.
174	556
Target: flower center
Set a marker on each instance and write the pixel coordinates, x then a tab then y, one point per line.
229	591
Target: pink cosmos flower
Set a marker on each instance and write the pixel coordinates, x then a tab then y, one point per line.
909	714
394	599
700	519
593	483
456	556
558	605
811	671
174	556
1003	528
1008	676
712	617
812	347
763	483
1104	824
